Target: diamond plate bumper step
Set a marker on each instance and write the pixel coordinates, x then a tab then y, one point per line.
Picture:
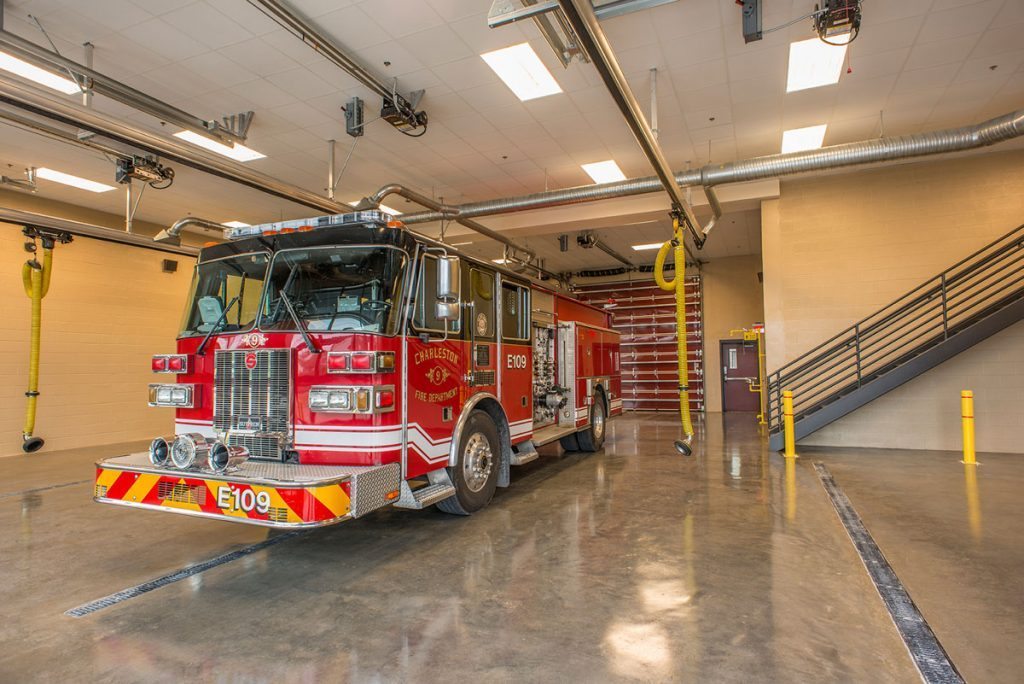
524	453
281	495
424	496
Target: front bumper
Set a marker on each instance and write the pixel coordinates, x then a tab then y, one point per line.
280	495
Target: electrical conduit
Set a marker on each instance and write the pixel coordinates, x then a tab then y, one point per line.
678	284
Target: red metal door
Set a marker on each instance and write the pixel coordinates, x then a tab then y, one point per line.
739	370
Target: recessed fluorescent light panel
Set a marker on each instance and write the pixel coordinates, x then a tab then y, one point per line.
388	210
73	181
649	245
813	64
237	152
500	261
40	76
460	244
235	224
522	71
604	171
799	139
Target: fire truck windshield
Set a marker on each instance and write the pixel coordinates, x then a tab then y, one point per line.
216	284
335	289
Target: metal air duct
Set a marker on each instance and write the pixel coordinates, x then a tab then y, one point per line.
172	235
989	132
374	200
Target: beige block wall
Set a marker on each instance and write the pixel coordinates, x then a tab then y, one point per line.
109	309
733	299
837	248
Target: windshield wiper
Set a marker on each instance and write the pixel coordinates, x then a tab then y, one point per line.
298	321
200	351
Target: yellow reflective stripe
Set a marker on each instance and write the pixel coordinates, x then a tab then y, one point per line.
139	490
333	498
107	477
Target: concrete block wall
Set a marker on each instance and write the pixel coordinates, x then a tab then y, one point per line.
836	248
109	309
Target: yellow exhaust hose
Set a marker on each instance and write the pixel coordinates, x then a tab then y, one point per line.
678	283
36	280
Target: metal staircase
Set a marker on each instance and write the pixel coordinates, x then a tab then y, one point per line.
940	318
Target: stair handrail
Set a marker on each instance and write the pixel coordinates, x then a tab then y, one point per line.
861	322
834	351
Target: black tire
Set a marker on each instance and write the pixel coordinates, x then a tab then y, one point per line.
592	437
570	442
474	493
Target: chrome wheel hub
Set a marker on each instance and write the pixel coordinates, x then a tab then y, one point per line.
477	462
598	422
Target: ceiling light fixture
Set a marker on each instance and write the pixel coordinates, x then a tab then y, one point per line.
813	64
237	152
41	76
604	171
500	261
73	181
235	224
800	139
649	245
522	71
460	244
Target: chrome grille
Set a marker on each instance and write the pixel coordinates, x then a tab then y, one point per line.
258	445
253	400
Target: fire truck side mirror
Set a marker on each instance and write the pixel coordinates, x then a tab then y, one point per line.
448	280
446	311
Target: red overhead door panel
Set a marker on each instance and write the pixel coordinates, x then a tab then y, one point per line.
646	317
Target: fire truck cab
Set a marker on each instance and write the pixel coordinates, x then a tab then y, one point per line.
331	366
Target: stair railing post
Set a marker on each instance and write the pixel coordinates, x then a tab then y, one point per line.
856	333
945	310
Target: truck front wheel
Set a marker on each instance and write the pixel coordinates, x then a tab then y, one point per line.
475	476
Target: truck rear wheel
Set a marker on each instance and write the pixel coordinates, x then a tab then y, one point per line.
592	438
475	476
570	442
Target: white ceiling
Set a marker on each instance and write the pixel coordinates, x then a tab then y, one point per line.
922	64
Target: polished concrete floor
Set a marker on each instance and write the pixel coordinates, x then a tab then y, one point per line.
631	564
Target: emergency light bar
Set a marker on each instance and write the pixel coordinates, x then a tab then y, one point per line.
305	225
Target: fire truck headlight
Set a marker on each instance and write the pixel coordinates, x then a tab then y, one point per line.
326	399
338	400
179	396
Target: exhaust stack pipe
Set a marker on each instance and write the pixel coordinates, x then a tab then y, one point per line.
224	458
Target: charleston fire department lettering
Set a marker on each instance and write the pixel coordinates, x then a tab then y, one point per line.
435	353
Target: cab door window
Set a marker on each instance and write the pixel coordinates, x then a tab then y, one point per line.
482	296
424	318
515	310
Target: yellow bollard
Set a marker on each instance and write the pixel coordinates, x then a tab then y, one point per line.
967	415
787	424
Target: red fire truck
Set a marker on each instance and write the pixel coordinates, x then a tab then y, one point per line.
328	367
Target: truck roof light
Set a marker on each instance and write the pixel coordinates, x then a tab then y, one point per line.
307	224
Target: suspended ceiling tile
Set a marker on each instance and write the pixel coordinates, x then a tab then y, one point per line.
959	21
954	50
205	24
162	38
353	28
437	45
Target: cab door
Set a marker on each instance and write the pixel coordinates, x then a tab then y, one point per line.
481	329
436	365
